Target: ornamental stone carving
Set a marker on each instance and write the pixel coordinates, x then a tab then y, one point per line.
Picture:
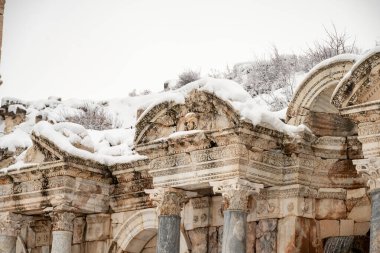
236	192
169	201
62	221
10	223
370	170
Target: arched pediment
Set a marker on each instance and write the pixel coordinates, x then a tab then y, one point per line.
362	84
201	110
314	93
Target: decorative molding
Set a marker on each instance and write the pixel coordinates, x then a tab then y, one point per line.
236	192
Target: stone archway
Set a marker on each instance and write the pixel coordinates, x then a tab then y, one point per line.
138	234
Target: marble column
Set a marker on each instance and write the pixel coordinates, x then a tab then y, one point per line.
370	169
9	228
62	231
169	205
236	193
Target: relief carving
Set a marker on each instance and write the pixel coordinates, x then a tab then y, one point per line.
62	221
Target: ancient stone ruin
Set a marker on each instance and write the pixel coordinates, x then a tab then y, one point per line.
208	180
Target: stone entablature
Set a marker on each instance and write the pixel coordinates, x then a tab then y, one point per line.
213	172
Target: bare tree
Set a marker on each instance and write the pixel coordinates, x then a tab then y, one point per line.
187	76
94	117
335	43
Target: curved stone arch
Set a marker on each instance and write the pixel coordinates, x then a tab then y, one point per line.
136	232
316	89
355	88
148	119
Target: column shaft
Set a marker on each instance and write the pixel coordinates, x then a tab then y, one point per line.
375	222
168	234
235	231
61	242
8	244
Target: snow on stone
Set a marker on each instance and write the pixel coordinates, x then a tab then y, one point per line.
338	58
358	62
65	136
14	140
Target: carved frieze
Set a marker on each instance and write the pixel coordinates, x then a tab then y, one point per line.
370	170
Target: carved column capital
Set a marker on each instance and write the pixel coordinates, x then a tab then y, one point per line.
62	221
236	192
370	170
169	201
10	223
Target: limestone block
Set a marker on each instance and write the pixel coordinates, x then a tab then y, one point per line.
328	228
78	231
251	237
212	240
197	213
198	238
298	234
266	236
77	248
216	211
304	207
356	193
346	227
330	209
361	210
98	227
361	228
220	239
96	247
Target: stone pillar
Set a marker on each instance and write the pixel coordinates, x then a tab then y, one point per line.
169	205
62	231
9	228
236	193
370	169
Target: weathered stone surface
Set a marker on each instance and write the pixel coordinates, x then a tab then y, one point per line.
7	243
79	230
98	227
328	228
330	209
212	240
266	236
375	222
199	240
361	228
346	228
251	237
298	235
361	210
197	213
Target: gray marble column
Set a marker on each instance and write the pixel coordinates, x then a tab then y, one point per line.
169	203
62	231
370	169
375	222
236	193
9	229
168	233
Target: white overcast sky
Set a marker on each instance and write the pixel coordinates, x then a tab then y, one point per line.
98	49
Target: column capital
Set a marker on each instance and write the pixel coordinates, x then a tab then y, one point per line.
236	192
169	201
10	223
62	221
369	169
